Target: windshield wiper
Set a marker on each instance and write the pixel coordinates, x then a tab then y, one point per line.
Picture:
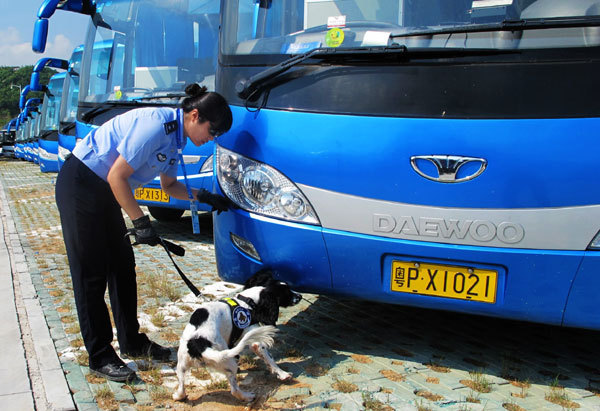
104	107
159	96
245	88
248	87
509	25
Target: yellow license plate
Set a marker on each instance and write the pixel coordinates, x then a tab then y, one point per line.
463	283
151	194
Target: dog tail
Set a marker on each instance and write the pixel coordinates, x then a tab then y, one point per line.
263	334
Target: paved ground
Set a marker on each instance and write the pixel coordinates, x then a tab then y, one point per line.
344	355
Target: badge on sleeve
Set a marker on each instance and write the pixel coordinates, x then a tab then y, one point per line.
170	126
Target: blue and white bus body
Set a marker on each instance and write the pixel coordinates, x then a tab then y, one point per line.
454	170
49	121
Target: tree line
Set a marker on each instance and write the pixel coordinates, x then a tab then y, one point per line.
9	96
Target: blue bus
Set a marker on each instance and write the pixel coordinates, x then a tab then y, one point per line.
67	137
48	124
8	140
400	151
32	111
128	63
18	150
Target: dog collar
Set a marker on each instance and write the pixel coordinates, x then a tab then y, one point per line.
247	300
240	317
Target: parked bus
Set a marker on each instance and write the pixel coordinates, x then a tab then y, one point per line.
8	142
67	132
128	63
48	124
400	151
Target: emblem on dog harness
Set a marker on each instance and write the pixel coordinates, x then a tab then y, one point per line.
240	317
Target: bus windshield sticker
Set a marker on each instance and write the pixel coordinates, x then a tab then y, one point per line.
375	38
491	3
336	21
334	37
299	48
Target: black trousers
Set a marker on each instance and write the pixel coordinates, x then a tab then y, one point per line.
99	256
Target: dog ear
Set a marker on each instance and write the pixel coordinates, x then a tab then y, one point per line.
267	309
260	278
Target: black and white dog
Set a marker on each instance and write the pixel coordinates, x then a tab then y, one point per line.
212	335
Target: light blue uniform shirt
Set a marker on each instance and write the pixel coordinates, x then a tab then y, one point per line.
139	136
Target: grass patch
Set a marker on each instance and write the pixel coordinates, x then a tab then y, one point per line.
371	404
106	398
162	286
201	373
344	386
478	382
428	395
392	375
558	396
316	370
217	385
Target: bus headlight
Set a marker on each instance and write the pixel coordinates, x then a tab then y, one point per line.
259	188
207	166
595	244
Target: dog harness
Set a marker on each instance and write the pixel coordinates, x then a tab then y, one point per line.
241	317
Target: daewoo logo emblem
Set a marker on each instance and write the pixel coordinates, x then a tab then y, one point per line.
447	167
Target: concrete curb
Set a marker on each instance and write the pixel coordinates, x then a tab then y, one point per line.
39	363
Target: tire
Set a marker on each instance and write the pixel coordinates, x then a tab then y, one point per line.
165	214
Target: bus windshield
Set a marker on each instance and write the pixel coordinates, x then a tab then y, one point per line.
149	49
51	105
68	108
297	26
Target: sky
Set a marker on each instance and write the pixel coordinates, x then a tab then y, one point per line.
66	31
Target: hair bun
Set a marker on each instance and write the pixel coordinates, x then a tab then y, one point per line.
194	90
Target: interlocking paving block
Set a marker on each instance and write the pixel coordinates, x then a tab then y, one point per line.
354	341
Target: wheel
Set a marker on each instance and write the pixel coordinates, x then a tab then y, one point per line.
165	214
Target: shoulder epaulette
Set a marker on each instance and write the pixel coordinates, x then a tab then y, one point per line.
170	126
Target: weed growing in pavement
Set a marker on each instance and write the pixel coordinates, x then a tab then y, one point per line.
557	395
158	319
473	397
315	369
82	358
436	366
371	404
106	398
74	329
220	384
344	386
159	393
200	373
162	286
247	362
512	406
152	375
76	343
478	382
420	406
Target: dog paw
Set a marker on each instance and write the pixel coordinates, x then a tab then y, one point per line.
179	396
284	376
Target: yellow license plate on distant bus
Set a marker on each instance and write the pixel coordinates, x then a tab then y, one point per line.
463	283
151	194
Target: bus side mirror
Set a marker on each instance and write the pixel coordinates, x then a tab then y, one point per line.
35	81
40	35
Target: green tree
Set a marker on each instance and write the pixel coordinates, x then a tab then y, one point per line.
9	97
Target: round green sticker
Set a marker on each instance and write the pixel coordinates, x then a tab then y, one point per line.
334	37
118	94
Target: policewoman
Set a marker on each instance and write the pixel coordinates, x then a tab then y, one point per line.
94	184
